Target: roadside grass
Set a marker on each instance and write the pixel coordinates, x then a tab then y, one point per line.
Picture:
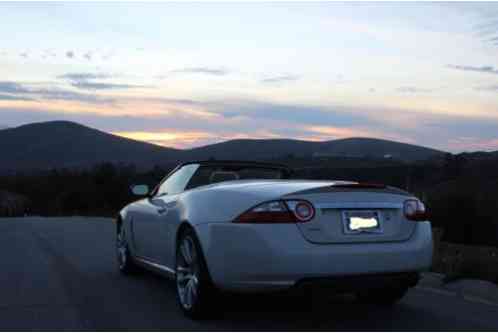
459	261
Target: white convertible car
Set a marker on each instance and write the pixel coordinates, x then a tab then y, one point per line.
248	227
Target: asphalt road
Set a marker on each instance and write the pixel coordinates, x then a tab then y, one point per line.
60	274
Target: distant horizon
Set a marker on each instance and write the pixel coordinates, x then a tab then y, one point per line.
187	75
200	146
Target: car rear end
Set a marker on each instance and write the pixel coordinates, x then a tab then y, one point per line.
349	236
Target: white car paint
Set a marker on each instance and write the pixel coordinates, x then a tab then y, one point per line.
264	257
256	257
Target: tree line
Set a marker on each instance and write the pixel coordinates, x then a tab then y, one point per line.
461	192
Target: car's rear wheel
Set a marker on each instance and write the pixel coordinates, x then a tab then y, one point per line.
384	296
194	288
125	261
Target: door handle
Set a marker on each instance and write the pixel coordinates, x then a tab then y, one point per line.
162	210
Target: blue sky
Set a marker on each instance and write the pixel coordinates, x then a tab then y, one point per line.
189	74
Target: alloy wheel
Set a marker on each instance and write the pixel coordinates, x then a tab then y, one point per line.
187	273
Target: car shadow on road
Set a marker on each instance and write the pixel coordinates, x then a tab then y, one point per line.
314	311
294	311
150	305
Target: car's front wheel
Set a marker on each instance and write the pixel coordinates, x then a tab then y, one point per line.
193	284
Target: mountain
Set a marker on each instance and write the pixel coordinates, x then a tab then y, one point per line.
480	155
67	144
58	144
274	148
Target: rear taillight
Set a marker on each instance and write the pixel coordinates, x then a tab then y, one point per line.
290	211
415	210
303	210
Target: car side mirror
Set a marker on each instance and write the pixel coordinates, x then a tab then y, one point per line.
140	190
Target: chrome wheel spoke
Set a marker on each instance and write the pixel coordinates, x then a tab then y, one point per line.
186	273
188	294
183	277
183	270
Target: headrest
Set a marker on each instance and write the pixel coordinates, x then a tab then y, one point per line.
223	176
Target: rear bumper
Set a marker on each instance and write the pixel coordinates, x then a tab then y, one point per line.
272	257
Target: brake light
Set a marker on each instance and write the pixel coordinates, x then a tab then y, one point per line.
415	210
291	211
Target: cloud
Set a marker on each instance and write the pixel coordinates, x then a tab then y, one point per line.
84	76
433	130
89	85
67	95
48	53
280	79
88	56
178	101
86	81
412	90
4	97
17	91
309	114
473	144
249	118
492	88
480	69
170	137
487	26
202	70
70	54
10	87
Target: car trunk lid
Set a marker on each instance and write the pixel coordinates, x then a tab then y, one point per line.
355	213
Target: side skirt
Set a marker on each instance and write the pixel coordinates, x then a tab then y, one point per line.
157	268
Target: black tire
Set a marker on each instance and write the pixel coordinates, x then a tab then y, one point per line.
200	305
123	256
385	296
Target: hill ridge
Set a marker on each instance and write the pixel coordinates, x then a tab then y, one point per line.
62	143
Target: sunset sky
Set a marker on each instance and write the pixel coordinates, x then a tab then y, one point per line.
185	75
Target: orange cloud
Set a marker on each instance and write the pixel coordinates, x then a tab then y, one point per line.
170	137
187	139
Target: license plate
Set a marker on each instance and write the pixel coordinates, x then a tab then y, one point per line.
362	221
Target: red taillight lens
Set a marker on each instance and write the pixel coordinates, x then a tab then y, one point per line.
415	210
294	211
